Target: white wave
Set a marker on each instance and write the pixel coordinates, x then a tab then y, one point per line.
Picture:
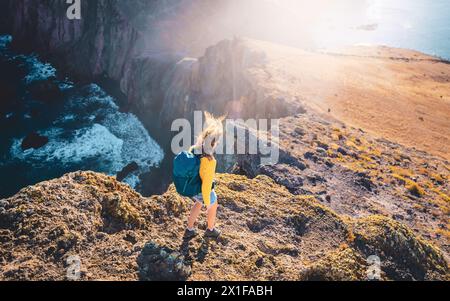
132	180
5	40
91	99
87	144
89	134
66	85
138	145
65	118
37	70
112	141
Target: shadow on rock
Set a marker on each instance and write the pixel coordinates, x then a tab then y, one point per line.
157	263
203	250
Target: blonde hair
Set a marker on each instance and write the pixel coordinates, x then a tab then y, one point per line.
210	137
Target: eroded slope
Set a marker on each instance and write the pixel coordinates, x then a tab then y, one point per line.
269	234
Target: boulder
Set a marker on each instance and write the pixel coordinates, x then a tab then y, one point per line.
125	172
158	263
34	140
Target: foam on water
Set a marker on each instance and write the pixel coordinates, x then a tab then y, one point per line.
107	140
89	133
87	144
65	85
5	40
38	70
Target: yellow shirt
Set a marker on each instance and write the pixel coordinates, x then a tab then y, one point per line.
207	173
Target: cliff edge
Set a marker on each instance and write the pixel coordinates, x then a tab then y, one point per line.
269	234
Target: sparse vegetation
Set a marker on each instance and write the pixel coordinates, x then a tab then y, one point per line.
268	234
415	189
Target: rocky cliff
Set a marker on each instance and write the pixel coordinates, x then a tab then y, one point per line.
139	48
4	18
269	234
166	59
359	174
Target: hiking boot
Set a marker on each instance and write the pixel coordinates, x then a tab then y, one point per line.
189	234
214	234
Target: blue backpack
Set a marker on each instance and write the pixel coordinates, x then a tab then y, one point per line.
186	167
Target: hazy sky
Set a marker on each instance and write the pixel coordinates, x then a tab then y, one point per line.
192	25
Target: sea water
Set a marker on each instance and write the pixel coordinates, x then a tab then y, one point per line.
85	128
420	25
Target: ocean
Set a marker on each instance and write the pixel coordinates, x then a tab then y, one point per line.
421	25
85	129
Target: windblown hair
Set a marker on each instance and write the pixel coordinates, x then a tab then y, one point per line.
210	137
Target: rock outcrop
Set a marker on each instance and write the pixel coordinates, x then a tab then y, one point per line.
269	234
115	42
34	140
337	196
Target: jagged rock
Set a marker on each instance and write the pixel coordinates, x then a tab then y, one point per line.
364	181
158	263
34	140
268	234
329	164
403	255
322	145
321	151
299	132
130	237
257	225
238	187
315	179
286	175
311	156
342	265
133	166
342	151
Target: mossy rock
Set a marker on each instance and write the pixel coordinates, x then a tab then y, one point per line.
157	263
341	265
307	214
404	256
118	213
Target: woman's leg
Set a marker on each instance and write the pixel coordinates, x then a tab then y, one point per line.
212	212
195	212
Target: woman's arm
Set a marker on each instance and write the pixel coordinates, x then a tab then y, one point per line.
207	172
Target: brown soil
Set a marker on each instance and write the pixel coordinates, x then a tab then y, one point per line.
397	94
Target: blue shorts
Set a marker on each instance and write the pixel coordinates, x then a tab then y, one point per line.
213	197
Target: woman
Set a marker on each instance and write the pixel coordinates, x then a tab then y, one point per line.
206	145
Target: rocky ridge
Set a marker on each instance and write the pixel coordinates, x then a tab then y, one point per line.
269	234
338	194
